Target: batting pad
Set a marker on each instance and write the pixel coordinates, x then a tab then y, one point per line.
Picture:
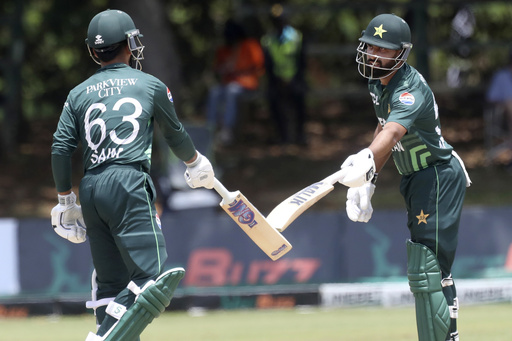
424	274
150	302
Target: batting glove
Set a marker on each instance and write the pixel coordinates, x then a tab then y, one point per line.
359	206
67	219
359	169
200	173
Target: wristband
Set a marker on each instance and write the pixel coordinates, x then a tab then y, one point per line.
67	200
195	162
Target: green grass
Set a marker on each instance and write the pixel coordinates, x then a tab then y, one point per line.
476	323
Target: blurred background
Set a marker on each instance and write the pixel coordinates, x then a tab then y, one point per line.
458	47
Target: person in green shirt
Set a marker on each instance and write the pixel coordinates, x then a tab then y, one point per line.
111	115
285	66
434	178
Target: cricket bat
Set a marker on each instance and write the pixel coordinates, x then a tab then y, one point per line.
254	224
288	210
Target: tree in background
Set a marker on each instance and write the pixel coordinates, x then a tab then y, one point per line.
40	58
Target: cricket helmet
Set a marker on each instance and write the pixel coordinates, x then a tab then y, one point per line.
110	28
386	31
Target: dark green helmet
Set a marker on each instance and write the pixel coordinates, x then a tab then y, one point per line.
386	31
111	27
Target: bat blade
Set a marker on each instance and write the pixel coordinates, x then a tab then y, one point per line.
253	223
288	210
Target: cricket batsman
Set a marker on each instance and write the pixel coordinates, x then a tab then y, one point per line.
434	178
111	115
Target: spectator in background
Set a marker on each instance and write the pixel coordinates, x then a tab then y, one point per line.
463	29
239	64
285	66
500	90
499	96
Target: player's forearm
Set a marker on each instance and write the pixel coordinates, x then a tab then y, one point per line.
381	152
184	150
383	143
61	168
380	161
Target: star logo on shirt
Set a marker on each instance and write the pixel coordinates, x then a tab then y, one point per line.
379	30
422	218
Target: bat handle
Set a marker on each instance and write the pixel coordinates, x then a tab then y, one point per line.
223	192
333	178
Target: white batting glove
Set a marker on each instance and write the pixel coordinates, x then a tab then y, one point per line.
67	219
359	169
359	206
200	173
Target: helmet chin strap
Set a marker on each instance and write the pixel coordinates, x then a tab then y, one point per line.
93	56
134	46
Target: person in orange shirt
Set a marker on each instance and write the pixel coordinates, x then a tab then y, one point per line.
239	64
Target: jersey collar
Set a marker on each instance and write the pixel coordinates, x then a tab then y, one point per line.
114	66
398	76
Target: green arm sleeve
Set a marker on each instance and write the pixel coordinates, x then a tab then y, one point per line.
185	150
61	168
172	130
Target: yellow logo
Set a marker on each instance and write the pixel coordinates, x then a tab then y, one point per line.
379	30
422	218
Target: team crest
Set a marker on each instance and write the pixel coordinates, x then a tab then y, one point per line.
379	30
422	218
169	95
407	98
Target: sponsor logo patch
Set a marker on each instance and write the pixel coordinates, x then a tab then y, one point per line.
243	213
99	40
279	250
407	98
158	221
169	95
304	195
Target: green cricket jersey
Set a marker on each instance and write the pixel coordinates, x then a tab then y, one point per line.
112	115
408	100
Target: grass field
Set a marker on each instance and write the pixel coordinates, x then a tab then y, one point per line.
476	323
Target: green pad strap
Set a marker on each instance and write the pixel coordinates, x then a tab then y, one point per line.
152	300
424	274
